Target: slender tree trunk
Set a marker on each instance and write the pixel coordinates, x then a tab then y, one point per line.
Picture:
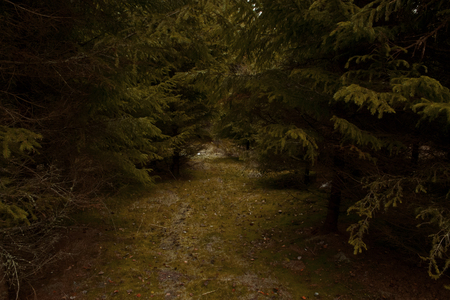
176	164
334	201
307	176
175	167
415	154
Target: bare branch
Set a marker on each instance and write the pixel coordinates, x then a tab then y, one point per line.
33	12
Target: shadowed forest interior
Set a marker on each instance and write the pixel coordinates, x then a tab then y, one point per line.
226	149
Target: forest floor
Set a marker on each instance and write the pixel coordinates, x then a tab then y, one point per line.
221	233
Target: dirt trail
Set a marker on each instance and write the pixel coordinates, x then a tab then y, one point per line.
218	234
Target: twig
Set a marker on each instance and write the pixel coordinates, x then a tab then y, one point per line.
110	215
158	226
16	275
172	175
142	221
207	293
34	291
33	12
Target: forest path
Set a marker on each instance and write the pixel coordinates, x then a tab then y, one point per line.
220	233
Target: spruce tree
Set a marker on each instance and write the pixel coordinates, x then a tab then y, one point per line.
400	91
290	77
85	85
363	85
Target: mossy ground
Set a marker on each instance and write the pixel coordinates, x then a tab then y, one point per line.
219	233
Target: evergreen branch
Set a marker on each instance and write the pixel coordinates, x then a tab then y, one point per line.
431	110
354	134
281	138
376	103
423	87
440	240
383	192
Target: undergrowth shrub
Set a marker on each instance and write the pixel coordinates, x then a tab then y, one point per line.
35	204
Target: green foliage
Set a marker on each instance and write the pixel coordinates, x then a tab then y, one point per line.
12	215
352	133
116	75
376	103
438	260
382	193
432	110
104	90
18	141
94	86
388	80
289	139
366	77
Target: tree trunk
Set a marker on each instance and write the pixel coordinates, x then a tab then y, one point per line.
334	201
307	176
175	168
415	154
